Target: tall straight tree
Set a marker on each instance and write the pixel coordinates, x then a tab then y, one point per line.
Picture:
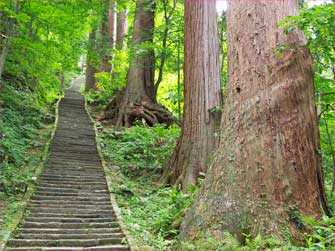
267	169
107	32
201	96
121	29
137	101
91	61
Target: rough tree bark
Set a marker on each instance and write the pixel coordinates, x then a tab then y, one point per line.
137	101
107	32
91	65
267	169
121	29
202	94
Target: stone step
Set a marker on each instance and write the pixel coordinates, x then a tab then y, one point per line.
52	224
98	248
71	215
66	193
63	175
74	168
70	236
71	198
83	157
79	179
72	186
69	231
63	164
68	205
63	242
69	210
70	220
70	190
73	183
74	172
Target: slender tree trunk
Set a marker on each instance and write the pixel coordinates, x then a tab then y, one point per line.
167	19
267	170
202	94
137	101
121	29
107	32
91	64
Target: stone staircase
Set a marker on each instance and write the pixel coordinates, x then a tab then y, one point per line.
71	207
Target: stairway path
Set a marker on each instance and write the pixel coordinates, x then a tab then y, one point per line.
71	207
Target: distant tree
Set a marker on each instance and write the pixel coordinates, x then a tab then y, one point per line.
91	61
121	29
266	173
202	95
137	101
107	33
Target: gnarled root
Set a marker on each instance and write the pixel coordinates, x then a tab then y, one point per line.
123	112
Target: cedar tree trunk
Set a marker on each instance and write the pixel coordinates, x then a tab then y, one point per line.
202	94
266	171
107	32
137	101
121	29
91	68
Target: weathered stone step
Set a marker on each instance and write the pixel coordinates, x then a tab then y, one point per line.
60	143
71	215
64	164
78	179
73	183
69	190
78	193
98	248
52	224
64	192
77	157
73	169
69	210
70	220
69	231
64	242
68	205
65	175
73	186
74	166
77	174
70	236
73	198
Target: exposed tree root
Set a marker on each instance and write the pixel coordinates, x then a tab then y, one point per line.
123	111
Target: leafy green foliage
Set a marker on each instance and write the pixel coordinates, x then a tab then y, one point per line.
322	236
23	121
139	149
137	156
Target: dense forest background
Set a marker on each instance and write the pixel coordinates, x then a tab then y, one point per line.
44	45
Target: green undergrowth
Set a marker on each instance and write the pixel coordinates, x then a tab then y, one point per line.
135	158
26	127
321	237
